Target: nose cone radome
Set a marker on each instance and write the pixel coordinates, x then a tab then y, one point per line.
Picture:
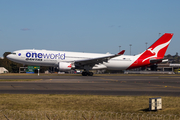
10	56
14	58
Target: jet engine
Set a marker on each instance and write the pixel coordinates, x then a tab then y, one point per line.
64	66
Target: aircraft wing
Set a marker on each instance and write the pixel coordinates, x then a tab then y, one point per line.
93	61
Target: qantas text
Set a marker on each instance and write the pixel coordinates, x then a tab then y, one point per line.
46	55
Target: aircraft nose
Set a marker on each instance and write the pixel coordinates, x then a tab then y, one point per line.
9	56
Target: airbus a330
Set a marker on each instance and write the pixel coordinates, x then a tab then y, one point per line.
90	61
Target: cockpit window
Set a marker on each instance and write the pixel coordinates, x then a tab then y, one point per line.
14	53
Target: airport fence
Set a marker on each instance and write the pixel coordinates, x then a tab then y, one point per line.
81	115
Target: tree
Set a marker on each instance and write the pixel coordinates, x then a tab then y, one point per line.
9	65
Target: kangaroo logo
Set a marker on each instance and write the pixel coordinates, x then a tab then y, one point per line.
151	50
156	50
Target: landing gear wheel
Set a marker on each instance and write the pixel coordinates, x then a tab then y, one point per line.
90	73
84	74
87	73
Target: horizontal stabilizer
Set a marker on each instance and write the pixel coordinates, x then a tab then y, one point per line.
156	60
165	60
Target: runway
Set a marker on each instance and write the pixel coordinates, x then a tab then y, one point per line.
96	85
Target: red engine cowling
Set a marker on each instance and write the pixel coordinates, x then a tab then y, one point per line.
64	66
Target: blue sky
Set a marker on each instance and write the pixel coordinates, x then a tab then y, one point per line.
97	26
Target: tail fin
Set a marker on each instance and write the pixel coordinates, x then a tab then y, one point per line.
160	46
156	51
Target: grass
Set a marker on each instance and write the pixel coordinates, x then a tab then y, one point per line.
52	102
66	107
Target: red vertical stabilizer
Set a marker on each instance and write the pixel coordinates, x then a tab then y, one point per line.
155	51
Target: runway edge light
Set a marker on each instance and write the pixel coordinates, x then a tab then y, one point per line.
155	103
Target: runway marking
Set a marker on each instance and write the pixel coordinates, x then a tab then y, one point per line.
171	77
20	80
156	85
149	83
109	79
15	86
5	86
42	86
162	86
12	86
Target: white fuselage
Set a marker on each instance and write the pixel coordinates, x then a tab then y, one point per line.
87	61
53	58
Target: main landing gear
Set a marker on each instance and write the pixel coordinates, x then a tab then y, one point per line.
87	73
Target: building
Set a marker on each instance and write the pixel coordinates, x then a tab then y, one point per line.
3	70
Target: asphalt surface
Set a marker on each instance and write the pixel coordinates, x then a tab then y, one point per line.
96	85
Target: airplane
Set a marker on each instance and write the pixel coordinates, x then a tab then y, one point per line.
92	61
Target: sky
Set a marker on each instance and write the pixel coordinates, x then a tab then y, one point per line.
95	26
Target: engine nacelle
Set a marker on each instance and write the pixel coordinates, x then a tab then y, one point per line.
64	66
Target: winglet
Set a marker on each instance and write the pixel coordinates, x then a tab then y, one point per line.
121	53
